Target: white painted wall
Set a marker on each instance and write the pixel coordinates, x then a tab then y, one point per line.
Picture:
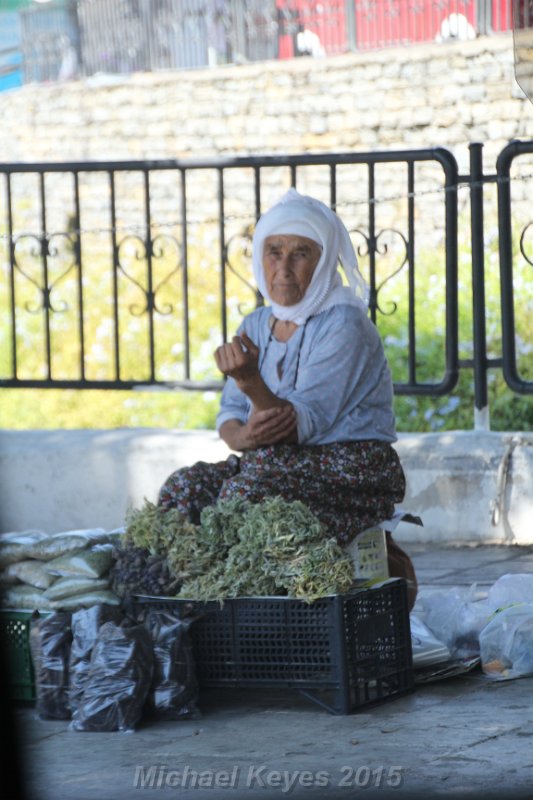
61	480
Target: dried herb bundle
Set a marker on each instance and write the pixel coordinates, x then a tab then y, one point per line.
155	529
269	548
241	549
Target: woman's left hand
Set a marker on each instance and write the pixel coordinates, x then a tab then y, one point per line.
239	359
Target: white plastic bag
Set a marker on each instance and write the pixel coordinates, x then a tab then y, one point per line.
506	643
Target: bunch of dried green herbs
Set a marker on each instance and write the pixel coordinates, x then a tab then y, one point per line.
273	547
240	549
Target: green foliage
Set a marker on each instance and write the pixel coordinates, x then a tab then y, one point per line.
71	409
455	410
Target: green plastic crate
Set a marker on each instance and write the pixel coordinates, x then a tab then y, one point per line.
15	642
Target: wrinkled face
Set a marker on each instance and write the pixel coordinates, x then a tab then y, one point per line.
289	263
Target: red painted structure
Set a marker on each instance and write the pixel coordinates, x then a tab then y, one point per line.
335	27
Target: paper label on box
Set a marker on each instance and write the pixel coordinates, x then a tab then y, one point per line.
369	553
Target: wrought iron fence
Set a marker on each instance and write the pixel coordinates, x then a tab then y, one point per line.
512	338
69	38
129	274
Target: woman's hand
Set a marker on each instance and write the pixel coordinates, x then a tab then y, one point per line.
272	426
264	428
239	359
273	420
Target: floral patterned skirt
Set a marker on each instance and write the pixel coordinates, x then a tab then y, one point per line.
349	486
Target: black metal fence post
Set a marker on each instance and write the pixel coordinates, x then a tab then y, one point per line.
505	226
481	409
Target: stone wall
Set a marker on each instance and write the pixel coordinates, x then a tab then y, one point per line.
417	96
410	97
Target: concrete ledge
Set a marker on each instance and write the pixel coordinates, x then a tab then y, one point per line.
62	480
469	487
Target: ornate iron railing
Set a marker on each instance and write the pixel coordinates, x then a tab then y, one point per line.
129	274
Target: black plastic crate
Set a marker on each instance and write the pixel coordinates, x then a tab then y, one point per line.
342	651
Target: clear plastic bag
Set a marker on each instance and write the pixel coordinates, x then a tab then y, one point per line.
427	649
91	562
118	680
86	600
456	618
74	585
25	597
59	544
50	641
17	546
174	690
506	643
31	572
511	588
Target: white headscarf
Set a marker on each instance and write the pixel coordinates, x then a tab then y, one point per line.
301	215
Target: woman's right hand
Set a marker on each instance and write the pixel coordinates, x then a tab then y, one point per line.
239	359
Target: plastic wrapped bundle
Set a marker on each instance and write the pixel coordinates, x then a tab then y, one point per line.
85	627
506	643
50	641
118	680
174	690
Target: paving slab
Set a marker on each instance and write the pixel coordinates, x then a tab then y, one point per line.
466	737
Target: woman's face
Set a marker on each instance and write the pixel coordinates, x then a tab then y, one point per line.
289	263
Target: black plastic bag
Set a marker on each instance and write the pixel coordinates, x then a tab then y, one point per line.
118	681
85	626
50	641
174	690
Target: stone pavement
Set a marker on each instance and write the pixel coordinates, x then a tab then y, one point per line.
466	737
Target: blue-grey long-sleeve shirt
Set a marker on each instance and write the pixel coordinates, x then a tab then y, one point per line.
333	370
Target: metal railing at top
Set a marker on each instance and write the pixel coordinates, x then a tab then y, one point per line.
130	274
64	39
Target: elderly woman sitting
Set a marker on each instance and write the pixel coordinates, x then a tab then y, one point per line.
308	396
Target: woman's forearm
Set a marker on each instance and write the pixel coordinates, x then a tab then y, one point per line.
259	394
272	419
